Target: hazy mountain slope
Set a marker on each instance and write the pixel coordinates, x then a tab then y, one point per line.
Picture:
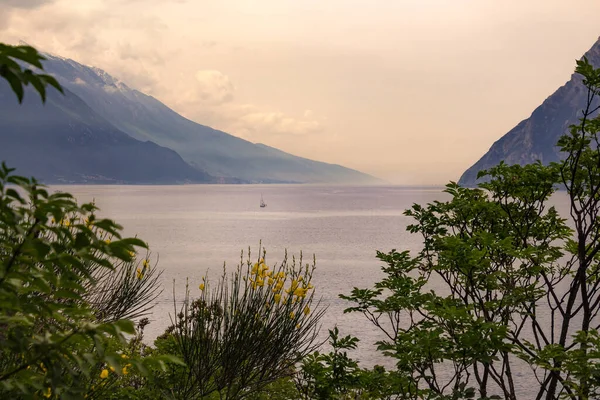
535	138
220	154
64	140
316	171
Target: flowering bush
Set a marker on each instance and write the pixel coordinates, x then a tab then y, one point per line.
246	331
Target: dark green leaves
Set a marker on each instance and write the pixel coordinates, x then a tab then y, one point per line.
66	291
19	77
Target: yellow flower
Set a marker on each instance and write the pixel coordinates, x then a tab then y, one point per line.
140	274
104	374
107	241
145	263
124	356
260	282
48	393
112	369
292	315
201	287
277	298
300	292
297	326
270	281
300	278
306	310
124	370
132	254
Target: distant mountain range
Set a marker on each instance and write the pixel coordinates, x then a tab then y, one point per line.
103	131
535	137
65	141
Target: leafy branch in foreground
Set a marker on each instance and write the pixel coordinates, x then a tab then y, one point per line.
11	58
56	261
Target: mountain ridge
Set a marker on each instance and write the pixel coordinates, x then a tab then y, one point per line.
534	138
219	153
64	141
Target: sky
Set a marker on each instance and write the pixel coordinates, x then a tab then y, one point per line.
411	91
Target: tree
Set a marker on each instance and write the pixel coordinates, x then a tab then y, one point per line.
69	283
502	282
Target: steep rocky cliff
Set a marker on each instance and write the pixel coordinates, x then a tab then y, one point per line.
535	137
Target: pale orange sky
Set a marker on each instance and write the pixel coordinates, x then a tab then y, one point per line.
412	91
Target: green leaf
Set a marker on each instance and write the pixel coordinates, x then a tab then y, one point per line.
16	84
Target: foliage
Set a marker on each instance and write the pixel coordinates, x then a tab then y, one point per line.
69	283
57	259
502	282
11	58
331	375
335	375
243	333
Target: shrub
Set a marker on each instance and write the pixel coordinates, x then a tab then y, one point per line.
245	332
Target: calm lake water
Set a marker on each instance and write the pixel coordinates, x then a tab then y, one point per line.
196	228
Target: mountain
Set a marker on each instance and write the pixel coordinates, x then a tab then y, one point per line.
218	153
535	137
65	141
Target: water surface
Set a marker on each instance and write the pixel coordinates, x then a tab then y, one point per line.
196	228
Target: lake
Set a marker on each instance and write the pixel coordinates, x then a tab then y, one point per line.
195	228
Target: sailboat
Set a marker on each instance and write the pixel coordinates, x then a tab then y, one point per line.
262	203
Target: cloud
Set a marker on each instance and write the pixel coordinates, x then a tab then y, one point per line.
277	123
24	3
110	89
141	50
213	87
79	81
253	123
8	6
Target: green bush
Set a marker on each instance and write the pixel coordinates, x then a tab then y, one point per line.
247	331
68	284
